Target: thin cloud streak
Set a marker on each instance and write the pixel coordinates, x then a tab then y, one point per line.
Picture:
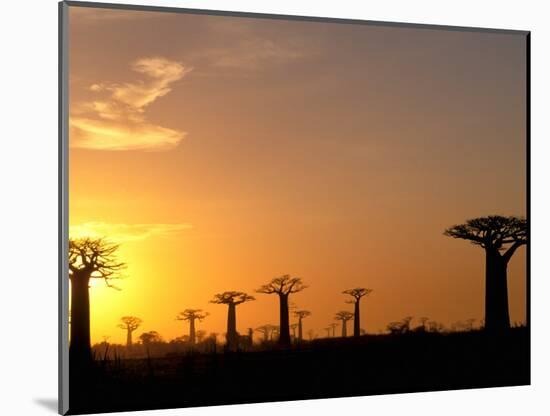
125	232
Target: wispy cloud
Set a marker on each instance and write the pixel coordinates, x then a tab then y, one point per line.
242	48
125	232
253	54
116	120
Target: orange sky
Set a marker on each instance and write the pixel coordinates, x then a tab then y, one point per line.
221	152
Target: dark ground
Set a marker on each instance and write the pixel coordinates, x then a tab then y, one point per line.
372	364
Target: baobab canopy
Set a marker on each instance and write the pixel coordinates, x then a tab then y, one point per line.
493	231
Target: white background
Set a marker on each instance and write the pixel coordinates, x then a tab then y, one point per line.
28	207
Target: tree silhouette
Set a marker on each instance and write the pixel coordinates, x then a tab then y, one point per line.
469	324
88	259
192	315
301	314
329	330
266	331
400	327
150	337
500	237
423	321
293	328
250	337
275	332
344	316
333	326
232	299
129	324
357	294
200	335
434	326
283	286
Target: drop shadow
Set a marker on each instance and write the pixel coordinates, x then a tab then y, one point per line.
49	404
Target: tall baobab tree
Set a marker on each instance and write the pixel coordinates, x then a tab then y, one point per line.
500	237
283	286
88	259
356	294
266	331
301	314
129	324
344	316
192	315
232	299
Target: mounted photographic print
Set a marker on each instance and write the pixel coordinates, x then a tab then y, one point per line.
260	208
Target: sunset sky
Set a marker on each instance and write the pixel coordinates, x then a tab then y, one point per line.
221	152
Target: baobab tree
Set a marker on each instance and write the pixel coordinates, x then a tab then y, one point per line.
333	326
232	299
356	294
500	237
88	259
266	331
293	328
344	316
329	330
301	314
192	315
129	324
283	286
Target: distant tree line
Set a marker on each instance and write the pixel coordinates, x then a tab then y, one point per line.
90	259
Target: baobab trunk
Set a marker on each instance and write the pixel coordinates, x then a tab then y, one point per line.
284	327
192	331
80	348
231	327
300	328
344	328
356	320
497	315
129	338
